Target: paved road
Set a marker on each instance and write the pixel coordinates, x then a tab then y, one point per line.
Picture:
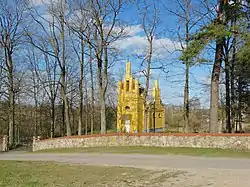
195	171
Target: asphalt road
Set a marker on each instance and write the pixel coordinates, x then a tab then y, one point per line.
195	171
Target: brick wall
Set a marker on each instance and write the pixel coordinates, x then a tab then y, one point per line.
3	143
223	141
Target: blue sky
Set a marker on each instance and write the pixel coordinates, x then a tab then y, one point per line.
171	83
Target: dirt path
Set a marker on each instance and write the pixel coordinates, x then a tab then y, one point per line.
190	171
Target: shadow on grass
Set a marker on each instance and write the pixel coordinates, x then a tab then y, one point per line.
19	173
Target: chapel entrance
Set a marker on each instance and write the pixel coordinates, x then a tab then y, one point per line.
127	126
126	122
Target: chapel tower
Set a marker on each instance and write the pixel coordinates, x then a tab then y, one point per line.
130	109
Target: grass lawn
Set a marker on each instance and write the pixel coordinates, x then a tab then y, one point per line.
40	174
155	150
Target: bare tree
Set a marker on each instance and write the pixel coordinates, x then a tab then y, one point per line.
92	90
81	86
33	66
44	72
189	16
78	23
149	18
11	18
56	39
106	30
61	19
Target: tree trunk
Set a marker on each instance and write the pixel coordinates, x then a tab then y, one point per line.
213	127
81	89
186	100
36	104
149	57
80	117
36	117
232	78
11	119
85	101
103	83
66	113
86	106
18	125
11	112
240	103
11	116
52	121
63	119
63	81
103	113
228	104
101	97
86	120
186	89
92	91
71	112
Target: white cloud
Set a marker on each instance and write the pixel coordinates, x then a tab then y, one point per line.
133	30
133	42
138	45
123	30
38	2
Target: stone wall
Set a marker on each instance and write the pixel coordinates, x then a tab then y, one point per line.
3	143
223	141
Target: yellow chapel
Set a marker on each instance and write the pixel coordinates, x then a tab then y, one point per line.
131	111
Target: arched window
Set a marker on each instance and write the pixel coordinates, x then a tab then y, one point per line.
127	107
159	115
127	86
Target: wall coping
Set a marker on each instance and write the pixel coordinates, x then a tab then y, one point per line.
151	134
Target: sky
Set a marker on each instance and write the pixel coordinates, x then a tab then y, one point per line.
171	80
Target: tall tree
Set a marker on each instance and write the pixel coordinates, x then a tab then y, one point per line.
149	19
11	25
33	68
189	19
92	90
187	64
61	20
221	31
106	30
213	31
213	127
55	36
78	24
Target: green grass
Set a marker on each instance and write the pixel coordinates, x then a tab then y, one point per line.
40	174
155	150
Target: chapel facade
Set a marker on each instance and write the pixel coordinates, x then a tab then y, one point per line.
131	111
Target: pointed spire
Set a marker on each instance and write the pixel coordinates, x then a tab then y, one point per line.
128	68
156	84
156	91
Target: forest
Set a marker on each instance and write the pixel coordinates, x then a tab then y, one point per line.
60	61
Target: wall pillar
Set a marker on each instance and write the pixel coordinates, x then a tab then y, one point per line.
4	143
